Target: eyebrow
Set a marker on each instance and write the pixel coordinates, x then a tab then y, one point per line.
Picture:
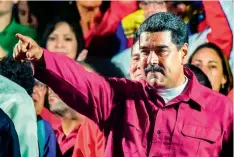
156	47
198	60
135	54
68	34
213	62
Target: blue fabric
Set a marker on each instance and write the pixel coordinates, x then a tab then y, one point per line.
41	136
46	139
123	41
122	61
9	142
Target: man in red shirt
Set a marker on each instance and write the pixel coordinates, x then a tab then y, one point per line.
169	114
76	135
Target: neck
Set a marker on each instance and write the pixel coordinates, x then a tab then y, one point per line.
5	20
180	81
87	16
70	121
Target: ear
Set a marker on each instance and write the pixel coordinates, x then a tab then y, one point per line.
184	53
224	80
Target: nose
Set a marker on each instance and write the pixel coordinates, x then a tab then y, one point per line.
152	58
59	43
204	69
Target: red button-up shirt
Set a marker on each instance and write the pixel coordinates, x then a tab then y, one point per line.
136	121
50	117
86	140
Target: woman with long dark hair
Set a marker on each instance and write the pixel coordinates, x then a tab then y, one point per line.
211	59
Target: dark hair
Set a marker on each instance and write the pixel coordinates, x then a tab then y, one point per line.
50	10
76	28
200	75
104	67
164	21
226	67
18	72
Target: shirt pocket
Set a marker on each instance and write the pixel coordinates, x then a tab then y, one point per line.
132	140
200	140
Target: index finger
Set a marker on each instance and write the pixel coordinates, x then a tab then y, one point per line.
23	39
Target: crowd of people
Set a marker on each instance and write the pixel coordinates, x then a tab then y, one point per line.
116	78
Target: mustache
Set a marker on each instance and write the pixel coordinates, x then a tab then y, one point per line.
154	68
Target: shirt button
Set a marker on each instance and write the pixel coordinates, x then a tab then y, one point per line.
150	144
158	132
163	109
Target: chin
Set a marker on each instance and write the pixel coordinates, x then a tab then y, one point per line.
156	83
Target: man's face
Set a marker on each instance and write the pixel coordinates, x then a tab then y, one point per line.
57	106
161	59
5	7
136	70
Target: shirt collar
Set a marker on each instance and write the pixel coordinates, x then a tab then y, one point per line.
59	130
193	90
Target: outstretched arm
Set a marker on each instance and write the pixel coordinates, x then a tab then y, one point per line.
86	92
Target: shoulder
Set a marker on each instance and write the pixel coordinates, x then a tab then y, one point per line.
48	126
217	102
19	28
5	122
133	20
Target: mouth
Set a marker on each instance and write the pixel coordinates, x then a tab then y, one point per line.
52	99
139	77
61	52
154	75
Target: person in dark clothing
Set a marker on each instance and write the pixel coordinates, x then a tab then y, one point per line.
9	142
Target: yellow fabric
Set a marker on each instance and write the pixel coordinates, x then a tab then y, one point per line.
132	22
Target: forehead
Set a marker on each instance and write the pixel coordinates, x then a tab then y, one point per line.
63	27
135	48
23	4
207	54
151	39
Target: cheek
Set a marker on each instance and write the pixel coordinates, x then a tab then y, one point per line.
72	49
215	76
133	67
34	19
23	18
50	45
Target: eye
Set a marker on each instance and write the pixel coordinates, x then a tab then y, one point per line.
135	58
163	50
212	67
197	65
145	52
68	39
51	38
22	12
